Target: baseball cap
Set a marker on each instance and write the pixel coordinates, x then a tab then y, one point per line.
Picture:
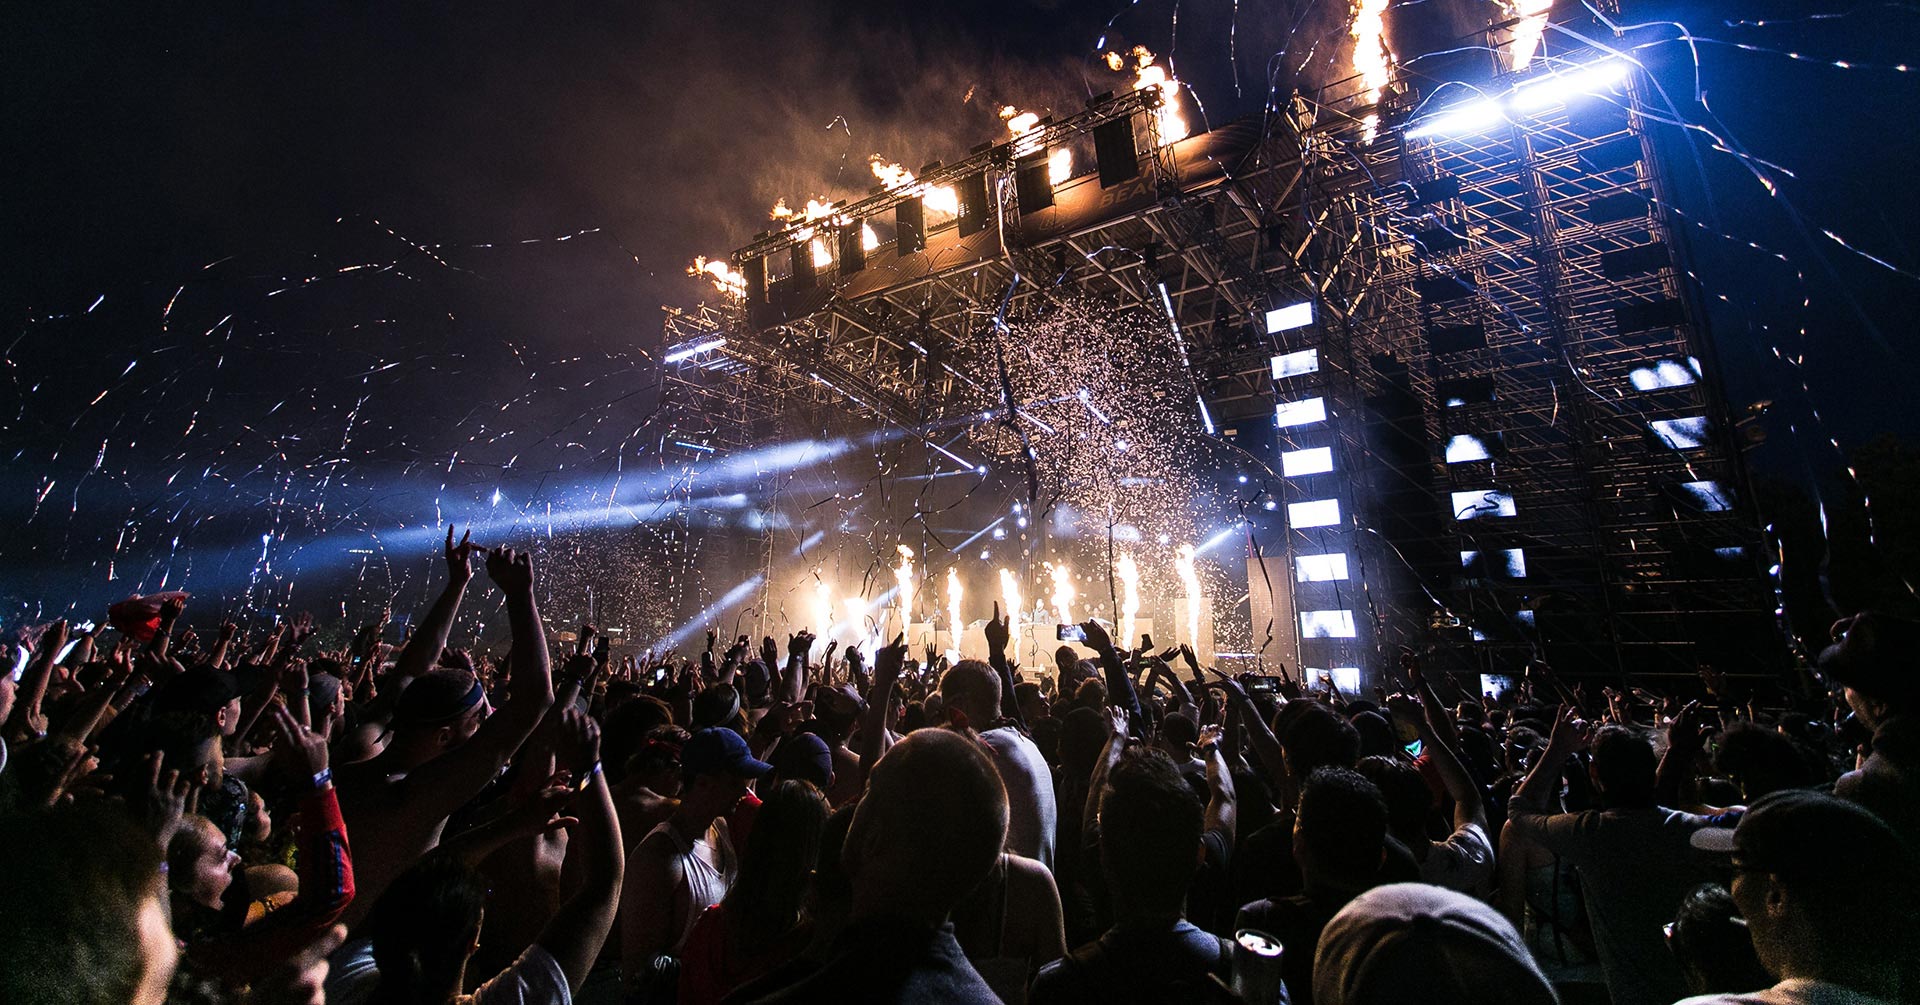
717	749
1812	834
1875	654
804	756
1407	935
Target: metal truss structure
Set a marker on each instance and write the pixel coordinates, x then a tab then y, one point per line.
1543	460
1501	382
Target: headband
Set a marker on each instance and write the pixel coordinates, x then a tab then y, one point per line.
473	696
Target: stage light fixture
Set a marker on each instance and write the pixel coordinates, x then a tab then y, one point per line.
1464	119
1473	505
1311	461
1317	513
1288	318
1327	625
1706	496
1295	364
1328	568
1593	78
687	352
1468	447
1478	114
1300	413
1665	373
1500	563
1688	433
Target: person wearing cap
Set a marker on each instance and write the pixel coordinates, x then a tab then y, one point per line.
448	744
686	864
1831	896
1877	659
1454	949
1634	859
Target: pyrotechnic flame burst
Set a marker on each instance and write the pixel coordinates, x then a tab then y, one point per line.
1190	580
1063	591
1370	58
1010	598
1527	34
954	625
1128	573
940	200
903	578
1168	120
720	274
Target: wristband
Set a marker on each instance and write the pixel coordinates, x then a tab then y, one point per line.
323	779
586	780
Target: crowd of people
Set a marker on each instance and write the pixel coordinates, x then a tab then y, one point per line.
195	816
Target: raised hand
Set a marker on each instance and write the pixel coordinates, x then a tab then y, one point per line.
511	571
544	812
303	751
1571	734
1689	730
890	659
169	798
578	744
293	680
1097	638
1210	736
301	629
999	631
460	556
799	645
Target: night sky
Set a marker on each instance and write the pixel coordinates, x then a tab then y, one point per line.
188	367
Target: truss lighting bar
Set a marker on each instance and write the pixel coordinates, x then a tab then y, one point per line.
1290	317
687	352
1480	114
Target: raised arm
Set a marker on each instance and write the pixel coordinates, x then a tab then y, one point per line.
445	783
430	636
1529	813
579	928
1109	756
1469	807
326	866
1222	810
999	632
1266	746
27	716
1120	690
875	740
